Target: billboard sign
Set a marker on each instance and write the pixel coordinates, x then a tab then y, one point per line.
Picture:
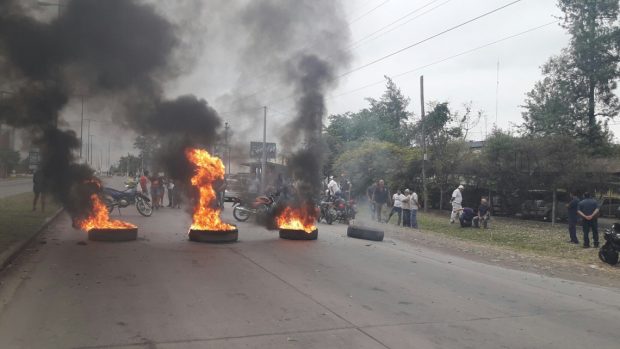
256	150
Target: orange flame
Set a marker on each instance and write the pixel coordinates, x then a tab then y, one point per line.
209	169
100	219
296	219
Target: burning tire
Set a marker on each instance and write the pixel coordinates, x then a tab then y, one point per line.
294	234
214	236
113	234
364	233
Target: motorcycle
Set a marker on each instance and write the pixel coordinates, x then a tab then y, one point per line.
259	207
337	209
120	199
608	253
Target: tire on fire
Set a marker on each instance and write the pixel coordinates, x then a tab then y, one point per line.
214	236
364	233
294	234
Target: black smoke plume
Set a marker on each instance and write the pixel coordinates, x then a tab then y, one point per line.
115	49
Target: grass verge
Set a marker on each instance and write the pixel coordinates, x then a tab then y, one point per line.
538	238
17	220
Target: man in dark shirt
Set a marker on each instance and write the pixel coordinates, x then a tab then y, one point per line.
588	210
483	214
466	217
370	191
573	217
38	187
380	197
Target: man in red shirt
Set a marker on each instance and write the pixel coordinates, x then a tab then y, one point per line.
143	181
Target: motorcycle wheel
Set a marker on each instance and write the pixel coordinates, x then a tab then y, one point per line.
144	208
329	218
608	255
109	203
240	215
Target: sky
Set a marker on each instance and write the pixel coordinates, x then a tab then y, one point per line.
472	77
469	78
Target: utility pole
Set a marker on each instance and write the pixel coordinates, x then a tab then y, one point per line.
108	165
88	145
424	193
263	162
227	149
82	128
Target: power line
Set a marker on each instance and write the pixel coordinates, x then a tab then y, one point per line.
368	12
359	42
428	39
448	58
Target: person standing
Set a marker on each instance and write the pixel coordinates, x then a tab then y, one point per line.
155	191
397	207
380	197
406	202
333	187
457	203
588	210
345	187
39	188
573	217
170	193
370	191
414	210
143	182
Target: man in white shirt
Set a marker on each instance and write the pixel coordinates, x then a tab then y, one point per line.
457	203
414	209
333	186
406	202
398	206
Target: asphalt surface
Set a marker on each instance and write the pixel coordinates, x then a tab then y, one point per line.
163	291
15	186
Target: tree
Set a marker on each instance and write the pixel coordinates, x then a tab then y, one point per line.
9	159
371	160
147	145
576	97
385	120
445	133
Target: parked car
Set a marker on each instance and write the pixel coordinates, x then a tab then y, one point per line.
540	202
234	188
609	207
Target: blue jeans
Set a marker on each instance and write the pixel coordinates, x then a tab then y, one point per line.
406	218
414	218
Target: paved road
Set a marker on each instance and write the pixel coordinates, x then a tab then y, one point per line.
262	292
15	186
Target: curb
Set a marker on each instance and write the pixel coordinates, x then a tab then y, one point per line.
8	256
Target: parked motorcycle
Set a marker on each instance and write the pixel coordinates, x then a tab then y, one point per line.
608	253
337	209
260	206
120	199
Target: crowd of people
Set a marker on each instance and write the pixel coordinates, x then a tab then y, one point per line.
158	186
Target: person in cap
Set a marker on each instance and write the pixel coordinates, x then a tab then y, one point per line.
457	203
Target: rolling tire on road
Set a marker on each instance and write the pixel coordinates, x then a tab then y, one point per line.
113	235
294	234
364	233
214	236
